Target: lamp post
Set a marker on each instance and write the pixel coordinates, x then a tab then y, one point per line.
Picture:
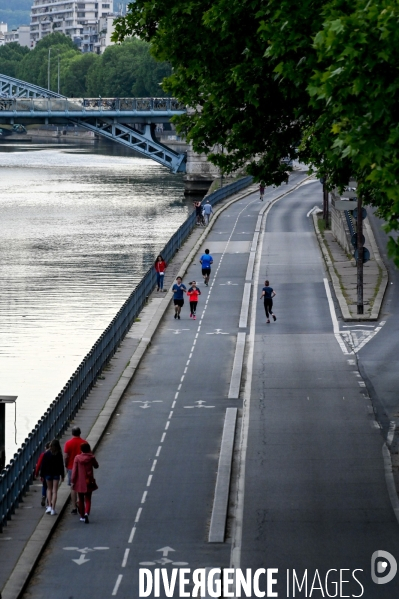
58	87
48	68
3	400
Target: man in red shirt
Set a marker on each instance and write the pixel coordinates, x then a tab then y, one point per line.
71	450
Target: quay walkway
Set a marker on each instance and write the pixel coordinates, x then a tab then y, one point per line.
280	408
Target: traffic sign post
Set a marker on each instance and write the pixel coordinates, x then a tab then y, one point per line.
325	204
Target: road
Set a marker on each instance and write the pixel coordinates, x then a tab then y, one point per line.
312	493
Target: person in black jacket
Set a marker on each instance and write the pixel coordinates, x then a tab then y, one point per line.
52	471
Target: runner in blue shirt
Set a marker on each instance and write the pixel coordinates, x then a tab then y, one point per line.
178	296
206	261
268	295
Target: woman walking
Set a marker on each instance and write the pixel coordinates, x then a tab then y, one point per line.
52	471
193	293
268	295
160	266
83	481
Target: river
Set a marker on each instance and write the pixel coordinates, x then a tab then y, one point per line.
79	227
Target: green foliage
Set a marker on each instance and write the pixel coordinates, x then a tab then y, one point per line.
262	77
126	70
10	57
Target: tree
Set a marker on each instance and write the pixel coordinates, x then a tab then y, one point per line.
127	70
10	57
34	66
75	74
358	90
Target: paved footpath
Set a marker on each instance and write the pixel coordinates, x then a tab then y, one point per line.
308	487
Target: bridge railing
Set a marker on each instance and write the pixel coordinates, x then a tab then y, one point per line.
17	476
90	105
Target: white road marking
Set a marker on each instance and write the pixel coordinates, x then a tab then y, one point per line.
185	370
118	582
199	405
149	480
182	378
144	497
217	332
138	515
392	428
158	451
173	404
179	387
125	557
163	437
334	320
170	415
132	533
154	464
167	425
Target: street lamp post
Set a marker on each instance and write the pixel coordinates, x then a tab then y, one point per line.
48	68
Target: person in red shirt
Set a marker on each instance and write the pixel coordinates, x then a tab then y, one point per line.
37	474
71	450
193	293
160	267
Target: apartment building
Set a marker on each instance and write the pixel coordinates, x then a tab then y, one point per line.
77	19
21	36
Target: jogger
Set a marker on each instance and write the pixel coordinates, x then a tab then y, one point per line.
206	261
178	296
268	295
193	293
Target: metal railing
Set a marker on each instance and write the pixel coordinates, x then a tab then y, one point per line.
17	475
91	105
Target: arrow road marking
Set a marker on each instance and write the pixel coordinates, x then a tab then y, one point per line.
147	402
314	210
165	550
81	560
178	331
217	332
229	283
199	405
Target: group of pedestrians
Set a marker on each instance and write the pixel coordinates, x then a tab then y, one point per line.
78	461
203	212
179	289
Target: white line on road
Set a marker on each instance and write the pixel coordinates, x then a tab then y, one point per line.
335	320
170	415
125	557
167	425
116	587
138	515
144	497
154	464
158	451
174	403
149	480
176	395
132	533
163	437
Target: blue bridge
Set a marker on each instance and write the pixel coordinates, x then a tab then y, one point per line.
128	121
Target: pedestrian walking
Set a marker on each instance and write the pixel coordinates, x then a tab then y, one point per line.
52	470
261	190
71	450
178	296
206	261
193	293
160	267
199	219
207	212
83	481
37	474
268	294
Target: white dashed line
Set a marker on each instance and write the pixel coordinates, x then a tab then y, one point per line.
133	532
170	415
144	497
149	480
124	562
116	587
163	437
138	514
158	451
154	464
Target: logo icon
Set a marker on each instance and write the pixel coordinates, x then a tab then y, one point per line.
383	563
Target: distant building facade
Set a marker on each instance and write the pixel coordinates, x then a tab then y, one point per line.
21	36
105	29
3	30
79	20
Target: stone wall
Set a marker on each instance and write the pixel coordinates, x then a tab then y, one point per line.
339	226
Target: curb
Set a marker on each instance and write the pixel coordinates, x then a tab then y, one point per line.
346	315
36	544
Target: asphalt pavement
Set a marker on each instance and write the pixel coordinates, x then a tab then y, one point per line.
309	491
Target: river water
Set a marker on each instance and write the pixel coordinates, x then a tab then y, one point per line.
79	227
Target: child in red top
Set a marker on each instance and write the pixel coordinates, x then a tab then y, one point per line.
160	266
193	293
